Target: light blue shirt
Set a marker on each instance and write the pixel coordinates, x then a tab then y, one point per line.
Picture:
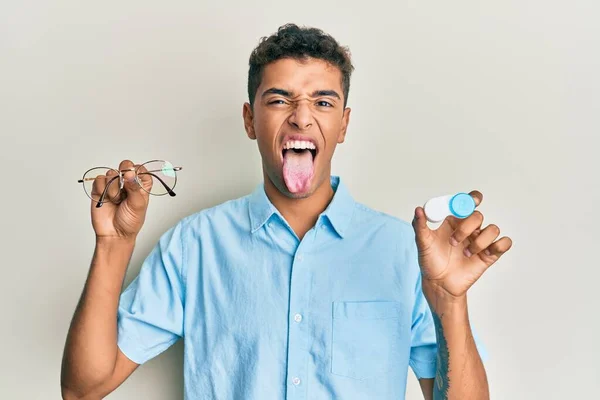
265	316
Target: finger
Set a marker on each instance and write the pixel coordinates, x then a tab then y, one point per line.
482	240
98	187
477	196
128	169
497	249
419	223
472	237
466	227
113	182
144	179
136	197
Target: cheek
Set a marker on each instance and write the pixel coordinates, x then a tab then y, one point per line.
331	149
267	128
331	131
269	122
276	120
266	135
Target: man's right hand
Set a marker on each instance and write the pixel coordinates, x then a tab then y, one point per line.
93	365
123	213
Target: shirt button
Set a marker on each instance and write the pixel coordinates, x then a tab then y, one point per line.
296	381
297	317
299	257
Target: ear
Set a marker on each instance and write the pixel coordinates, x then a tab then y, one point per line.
344	127
248	121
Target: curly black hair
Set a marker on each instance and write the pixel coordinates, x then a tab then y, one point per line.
292	41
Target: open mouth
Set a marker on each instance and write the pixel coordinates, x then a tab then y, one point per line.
300	151
300	147
298	155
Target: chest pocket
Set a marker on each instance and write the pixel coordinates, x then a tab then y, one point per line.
368	338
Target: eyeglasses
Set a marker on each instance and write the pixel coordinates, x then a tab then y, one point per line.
156	177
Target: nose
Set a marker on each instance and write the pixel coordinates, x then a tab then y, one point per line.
301	118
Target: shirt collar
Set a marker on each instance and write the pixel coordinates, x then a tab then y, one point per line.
340	209
338	212
260	208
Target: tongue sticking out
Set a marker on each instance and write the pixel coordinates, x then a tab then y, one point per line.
298	170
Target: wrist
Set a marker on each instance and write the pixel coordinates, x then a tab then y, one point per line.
113	254
115	241
441	301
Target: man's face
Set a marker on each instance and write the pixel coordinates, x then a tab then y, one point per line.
297	120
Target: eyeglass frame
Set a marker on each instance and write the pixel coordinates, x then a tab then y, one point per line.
121	172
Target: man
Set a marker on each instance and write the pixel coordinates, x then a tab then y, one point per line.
295	291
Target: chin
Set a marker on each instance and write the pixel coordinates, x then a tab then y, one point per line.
301	195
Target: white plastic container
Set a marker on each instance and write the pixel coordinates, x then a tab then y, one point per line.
460	205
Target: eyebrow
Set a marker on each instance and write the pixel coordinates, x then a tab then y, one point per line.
288	94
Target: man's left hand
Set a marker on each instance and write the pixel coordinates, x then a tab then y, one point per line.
456	254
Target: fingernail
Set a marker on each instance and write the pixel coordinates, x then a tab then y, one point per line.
487	252
467	252
453	241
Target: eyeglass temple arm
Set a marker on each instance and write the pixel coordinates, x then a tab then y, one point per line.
154	170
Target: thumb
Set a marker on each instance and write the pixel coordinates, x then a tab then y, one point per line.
419	223
137	198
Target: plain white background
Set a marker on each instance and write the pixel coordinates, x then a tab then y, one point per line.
498	96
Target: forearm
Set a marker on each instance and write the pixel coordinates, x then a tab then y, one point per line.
91	347
459	372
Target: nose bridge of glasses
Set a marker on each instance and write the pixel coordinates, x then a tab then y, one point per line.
122	173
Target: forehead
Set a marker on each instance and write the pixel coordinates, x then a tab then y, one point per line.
301	75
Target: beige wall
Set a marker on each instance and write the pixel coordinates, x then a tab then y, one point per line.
499	96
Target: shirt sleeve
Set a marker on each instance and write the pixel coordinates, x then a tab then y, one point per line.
423	352
150	314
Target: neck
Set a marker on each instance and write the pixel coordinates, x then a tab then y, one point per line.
301	214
